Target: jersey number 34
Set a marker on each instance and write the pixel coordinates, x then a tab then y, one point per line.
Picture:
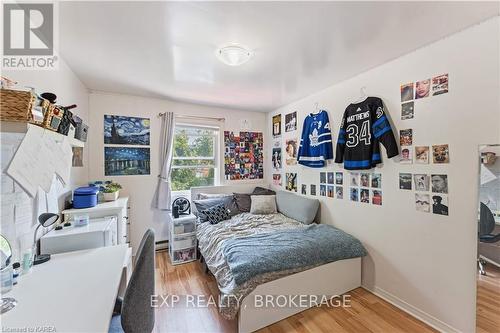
355	135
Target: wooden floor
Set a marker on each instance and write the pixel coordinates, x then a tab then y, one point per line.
488	300
368	313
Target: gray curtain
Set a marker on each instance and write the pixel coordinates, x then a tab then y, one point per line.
162	199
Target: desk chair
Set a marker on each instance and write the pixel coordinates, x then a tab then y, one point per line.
134	313
486	227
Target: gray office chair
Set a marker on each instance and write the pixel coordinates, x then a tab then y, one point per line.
135	313
486	227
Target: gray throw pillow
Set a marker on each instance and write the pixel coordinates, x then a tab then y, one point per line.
263	204
205	204
243	200
216	214
263	191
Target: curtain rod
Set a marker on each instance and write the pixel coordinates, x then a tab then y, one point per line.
194	117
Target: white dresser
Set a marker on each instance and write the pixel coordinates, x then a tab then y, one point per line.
118	208
182	243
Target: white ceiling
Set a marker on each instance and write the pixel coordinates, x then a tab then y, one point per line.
166	49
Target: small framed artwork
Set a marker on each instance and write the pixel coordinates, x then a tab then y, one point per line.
330	191
277	125
322	190
405	181
331	177
422	154
339	192
422	88
439	183
365	179
440	154
313	189
422	202
303	189
440	84
406	92
364	195
440	204
291	122
406	155
339	178
407	110
377	197
406	137
354	195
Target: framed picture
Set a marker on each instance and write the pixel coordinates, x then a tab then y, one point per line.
122	130
291	122
277	125
126	161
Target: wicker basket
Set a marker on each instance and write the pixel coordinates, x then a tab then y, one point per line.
16	105
52	117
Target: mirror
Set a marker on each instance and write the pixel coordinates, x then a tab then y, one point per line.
5	252
488	236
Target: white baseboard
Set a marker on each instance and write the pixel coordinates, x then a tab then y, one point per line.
413	311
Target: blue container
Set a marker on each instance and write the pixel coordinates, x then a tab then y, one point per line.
85	197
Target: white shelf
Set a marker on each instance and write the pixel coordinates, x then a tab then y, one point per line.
22	127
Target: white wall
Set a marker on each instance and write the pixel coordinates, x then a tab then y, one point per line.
141	189
19	212
423	262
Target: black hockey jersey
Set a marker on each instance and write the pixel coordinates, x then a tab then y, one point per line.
364	125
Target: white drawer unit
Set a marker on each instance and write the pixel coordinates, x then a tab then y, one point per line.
182	241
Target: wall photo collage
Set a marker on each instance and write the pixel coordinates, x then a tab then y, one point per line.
243	155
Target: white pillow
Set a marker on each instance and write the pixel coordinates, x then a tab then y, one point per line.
263	204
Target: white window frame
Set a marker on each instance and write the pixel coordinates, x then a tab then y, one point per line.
216	156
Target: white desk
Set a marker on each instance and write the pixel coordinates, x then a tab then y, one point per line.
73	292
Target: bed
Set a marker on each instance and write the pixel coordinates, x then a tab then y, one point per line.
246	273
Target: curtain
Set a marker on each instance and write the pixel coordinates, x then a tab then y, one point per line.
162	199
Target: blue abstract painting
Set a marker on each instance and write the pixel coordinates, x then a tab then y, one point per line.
122	161
126	130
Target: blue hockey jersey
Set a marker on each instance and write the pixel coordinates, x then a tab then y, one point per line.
316	142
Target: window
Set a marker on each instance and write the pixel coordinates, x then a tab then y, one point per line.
194	161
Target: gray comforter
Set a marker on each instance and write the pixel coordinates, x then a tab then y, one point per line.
315	245
212	241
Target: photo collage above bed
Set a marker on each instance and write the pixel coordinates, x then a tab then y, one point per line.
363	127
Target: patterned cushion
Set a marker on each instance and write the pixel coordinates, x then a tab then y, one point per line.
216	214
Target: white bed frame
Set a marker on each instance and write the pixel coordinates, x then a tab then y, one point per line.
328	280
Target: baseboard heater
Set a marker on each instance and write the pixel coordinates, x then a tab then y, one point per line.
162	245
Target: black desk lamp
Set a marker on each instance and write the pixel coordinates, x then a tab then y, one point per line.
45	220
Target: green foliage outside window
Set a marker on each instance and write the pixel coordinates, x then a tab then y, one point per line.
194	158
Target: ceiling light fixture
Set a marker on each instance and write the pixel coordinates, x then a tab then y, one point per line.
233	54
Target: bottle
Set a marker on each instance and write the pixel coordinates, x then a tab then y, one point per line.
16	271
6	279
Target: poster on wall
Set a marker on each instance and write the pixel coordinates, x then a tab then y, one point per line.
422	182
277	159
406	137
125	161
126	130
406	92
291	122
440	154
440	204
405	181
291	149
422	88
291	181
77	160
440	84
277	179
422	154
243	155
277	125
407	110
406	155
439	183
422	202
